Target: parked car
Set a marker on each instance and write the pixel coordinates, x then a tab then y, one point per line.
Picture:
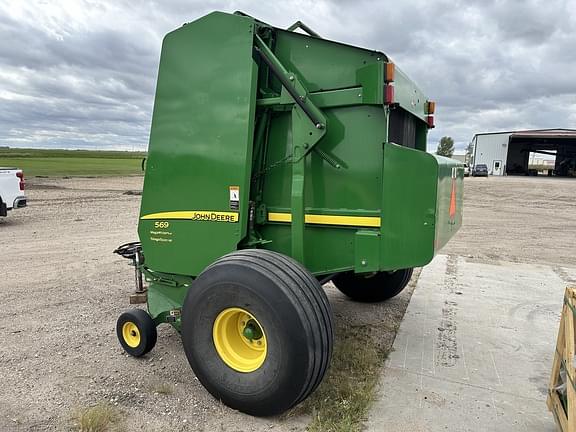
11	190
466	170
480	170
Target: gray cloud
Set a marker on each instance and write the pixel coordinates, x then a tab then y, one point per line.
81	73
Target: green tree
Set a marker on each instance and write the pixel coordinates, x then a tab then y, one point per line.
445	147
469	151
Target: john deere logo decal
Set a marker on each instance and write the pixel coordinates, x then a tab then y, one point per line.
196	215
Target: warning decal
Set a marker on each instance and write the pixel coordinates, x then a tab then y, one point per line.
234	197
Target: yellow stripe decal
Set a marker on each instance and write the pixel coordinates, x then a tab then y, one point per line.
366	221
196	215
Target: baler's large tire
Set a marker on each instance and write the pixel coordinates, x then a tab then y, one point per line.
257	331
374	287
136	332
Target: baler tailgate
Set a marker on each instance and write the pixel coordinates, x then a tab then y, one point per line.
196	191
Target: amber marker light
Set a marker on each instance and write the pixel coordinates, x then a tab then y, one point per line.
389	72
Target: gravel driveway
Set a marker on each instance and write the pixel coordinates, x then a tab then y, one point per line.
62	290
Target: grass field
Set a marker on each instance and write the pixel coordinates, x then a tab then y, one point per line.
59	163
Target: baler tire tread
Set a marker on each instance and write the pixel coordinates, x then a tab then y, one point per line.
320	299
371	290
320	304
407	278
325	311
303	295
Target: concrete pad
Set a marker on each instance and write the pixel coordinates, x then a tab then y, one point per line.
475	349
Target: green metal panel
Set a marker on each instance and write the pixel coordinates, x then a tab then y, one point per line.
408	207
416	215
408	95
371	78
354	138
367	251
450	178
162	298
200	144
328	249
322	64
353	190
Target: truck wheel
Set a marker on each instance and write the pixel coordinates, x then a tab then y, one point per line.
374	287
257	331
136	332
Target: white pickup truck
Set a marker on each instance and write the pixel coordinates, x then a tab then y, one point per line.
11	190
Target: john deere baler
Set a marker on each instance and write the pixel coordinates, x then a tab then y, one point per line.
278	161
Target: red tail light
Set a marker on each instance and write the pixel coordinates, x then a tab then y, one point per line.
20	175
430	121
388	94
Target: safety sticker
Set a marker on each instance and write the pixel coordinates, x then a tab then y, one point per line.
234	197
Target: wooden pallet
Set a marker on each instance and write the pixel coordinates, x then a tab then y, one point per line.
562	389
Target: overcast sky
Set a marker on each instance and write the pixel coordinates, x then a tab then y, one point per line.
82	73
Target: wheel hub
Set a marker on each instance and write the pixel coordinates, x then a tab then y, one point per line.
131	334
239	340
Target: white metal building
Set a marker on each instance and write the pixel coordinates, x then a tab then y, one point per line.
508	152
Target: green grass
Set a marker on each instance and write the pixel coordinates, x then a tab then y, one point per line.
98	418
59	163
343	399
341	402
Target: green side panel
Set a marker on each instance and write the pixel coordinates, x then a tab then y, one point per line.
450	177
371	77
322	64
200	143
408	95
367	251
162	298
416	217
354	138
328	249
409	207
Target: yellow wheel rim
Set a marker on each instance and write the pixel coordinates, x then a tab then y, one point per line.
131	334
239	340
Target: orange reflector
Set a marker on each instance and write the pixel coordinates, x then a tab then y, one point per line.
430	107
388	94
389	72
452	209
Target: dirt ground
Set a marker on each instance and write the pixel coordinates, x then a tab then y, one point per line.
62	290
518	219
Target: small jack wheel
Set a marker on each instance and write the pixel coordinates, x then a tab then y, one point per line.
136	332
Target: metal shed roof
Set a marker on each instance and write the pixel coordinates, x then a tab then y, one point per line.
546	133
543	133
